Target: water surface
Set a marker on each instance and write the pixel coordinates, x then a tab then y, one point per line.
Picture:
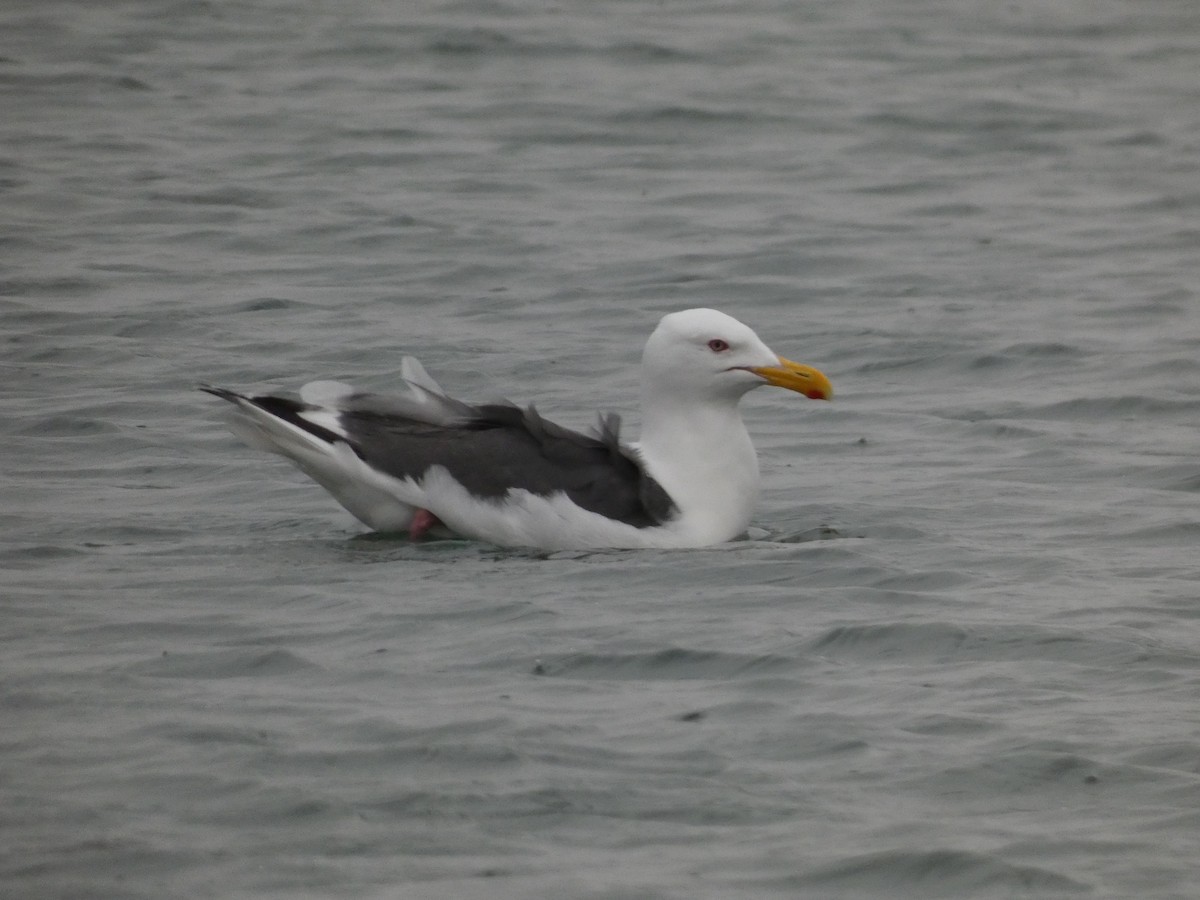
957	657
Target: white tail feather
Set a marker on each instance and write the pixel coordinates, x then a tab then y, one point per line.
334	466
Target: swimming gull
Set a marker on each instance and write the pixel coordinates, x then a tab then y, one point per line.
428	464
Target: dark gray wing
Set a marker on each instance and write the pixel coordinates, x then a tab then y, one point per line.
489	450
502	447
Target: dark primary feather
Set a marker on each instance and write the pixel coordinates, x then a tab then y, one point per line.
492	448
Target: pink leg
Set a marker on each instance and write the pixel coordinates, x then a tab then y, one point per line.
422	521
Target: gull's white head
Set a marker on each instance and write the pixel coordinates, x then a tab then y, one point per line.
705	354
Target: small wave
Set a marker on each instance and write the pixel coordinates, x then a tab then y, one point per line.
1100	408
943	641
1020	355
936	873
635	51
78	425
470	41
223	664
241	197
1032	769
683	115
267	304
897	639
1185	534
670	664
38	554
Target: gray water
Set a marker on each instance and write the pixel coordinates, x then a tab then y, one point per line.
959	655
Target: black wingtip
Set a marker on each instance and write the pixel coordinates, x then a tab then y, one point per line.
221	392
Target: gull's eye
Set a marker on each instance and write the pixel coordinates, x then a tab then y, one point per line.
716	345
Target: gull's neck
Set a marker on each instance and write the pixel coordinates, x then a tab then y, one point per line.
700	452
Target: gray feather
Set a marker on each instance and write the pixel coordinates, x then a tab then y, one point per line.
489	449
